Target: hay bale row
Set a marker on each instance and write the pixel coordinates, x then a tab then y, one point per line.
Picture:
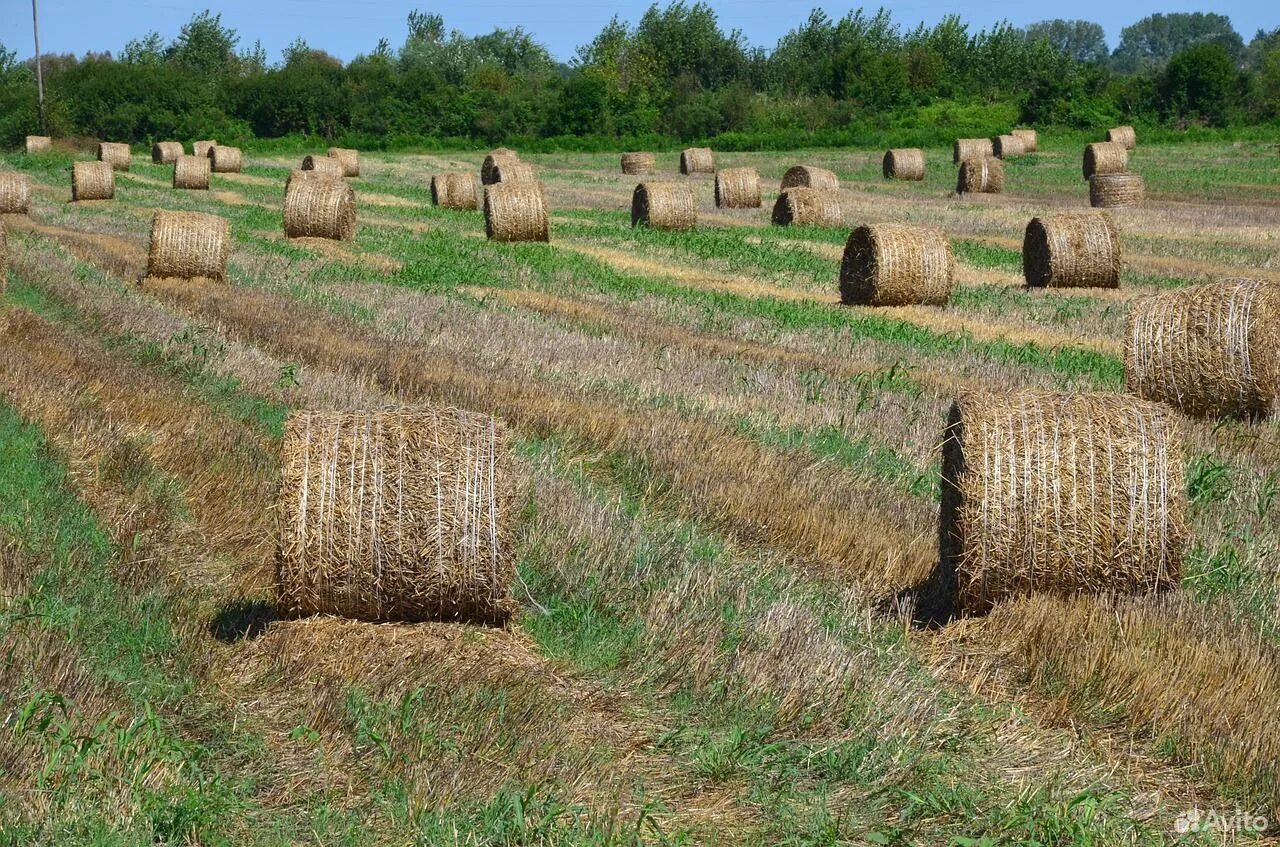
202	148
896	265
1124	136
92	181
980	176
319	207
638	164
806	176
118	156
808	207
664	205
454	190
737	188
166	152
323	165
905	163
1007	146
349	160
1062	494
1073	250
191	173
399	514
1105	157
697	160
1211	349
188	245
225	160
516	211
39	144
15	193
1115	191
1030	141
971	148
488	175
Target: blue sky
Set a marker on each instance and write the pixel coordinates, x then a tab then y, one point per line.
349	28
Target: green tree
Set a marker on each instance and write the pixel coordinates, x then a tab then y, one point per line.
1154	40
1200	83
1083	41
148	50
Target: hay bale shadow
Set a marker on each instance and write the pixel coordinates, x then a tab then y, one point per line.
241	620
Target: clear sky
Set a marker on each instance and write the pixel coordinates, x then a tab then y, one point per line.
351	27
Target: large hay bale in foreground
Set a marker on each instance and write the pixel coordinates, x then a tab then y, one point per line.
516	211
737	188
664	205
808	207
188	245
1211	349
1105	157
1030	141
487	169
92	181
1072	250
1007	146
896	265
1124	136
191	172
396	515
697	160
225	160
455	190
1116	191
319	207
349	160
806	176
638	164
905	163
166	152
118	156
323	165
513	170
39	144
15	193
980	176
202	148
1060	493
971	148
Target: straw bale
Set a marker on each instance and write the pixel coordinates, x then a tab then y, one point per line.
202	148
39	144
737	188
513	170
1105	157
119	156
323	165
516	211
319	207
188	245
1116	191
638	164
664	205
971	148
904	163
806	176
980	176
896	265
15	193
92	181
1030	140
348	158
808	207
191	172
1007	146
487	170
1124	136
1072	250
166	152
225	160
455	190
697	160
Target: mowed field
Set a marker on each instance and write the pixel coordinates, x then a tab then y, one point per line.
727	532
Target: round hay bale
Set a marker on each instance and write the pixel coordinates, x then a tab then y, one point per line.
513	170
1115	191
188	245
1007	146
92	181
15	193
896	265
191	172
808	207
1211	349
319	207
396	515
502	154
349	159
904	163
805	176
1072	250
1060	493
971	148
737	188
1124	136
39	144
980	176
455	190
1105	157
697	160
1030	141
664	205
516	211
638	164
118	156
323	165
166	152
225	160
202	148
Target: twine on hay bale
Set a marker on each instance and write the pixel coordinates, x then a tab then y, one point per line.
1030	140
225	160
349	160
1123	135
118	156
1211	349
516	211
502	154
971	148
454	190
513	170
396	515
15	193
1072	250
191	172
187	245
319	207
166	152
1060	493
202	148
904	163
92	181
39	144
896	265
806	176
808	207
323	165
697	160
1114	191
664	205
1007	146
737	188
638	164
980	176
1105	157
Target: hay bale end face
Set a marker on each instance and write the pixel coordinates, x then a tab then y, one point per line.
1105	157
39	144
904	163
166	152
396	515
488	170
980	176
118	156
516	211
1007	146
664	205
319	207
896	265
455	190
971	148
15	193
1116	191
737	188
1073	250
1030	140
349	159
513	170
323	165
225	160
92	181
808	207
188	245
1062	494
191	172
202	148
1124	136
697	160
806	176
1207	350
638	164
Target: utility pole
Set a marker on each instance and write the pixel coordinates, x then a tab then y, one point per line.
35	26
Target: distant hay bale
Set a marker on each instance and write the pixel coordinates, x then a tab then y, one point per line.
191	172
488	175
980	176
92	181
1030	140
896	265
39	144
1062	494
638	164
455	190
808	207
225	160
396	515
737	188
516	211
15	193
513	170
904	163
1115	191
664	205
697	160
1072	250
1007	146
971	148
1105	157
323	165
202	148
1124	136
1211	349
806	176
118	156
187	245
348	158
319	207
166	152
